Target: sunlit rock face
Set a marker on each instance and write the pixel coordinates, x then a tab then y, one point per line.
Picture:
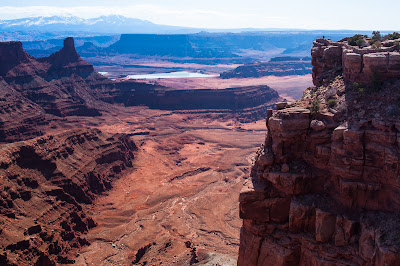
362	65
324	187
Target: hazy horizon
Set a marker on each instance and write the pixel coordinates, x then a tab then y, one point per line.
290	14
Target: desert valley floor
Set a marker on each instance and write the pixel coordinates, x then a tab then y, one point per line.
179	204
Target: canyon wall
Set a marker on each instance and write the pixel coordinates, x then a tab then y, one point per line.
362	65
272	68
47	186
34	92
325	186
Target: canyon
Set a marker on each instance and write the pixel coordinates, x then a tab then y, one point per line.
98	171
38	93
324	188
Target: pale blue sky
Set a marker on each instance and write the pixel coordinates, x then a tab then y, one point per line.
307	14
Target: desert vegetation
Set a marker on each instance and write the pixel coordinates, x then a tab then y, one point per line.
375	41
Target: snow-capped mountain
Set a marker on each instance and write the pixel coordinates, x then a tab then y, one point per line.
103	24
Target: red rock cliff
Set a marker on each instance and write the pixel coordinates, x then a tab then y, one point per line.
11	54
58	177
325	185
330	59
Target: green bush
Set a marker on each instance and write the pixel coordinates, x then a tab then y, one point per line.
393	36
314	108
361	43
377	45
353	40
332	103
376	35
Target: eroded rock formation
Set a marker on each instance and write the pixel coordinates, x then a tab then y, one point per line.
34	92
363	65
46	187
324	187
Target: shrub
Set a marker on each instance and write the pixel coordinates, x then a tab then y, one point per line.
353	40
377	45
376	35
314	108
332	103
376	39
361	43
393	36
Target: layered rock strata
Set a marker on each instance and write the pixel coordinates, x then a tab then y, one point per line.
363	65
322	192
34	92
272	68
47	186
325	186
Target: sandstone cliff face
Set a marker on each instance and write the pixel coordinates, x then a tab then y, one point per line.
315	187
363	65
57	176
325	186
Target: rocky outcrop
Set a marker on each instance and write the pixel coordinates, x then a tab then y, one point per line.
67	62
322	192
324	187
272	68
326	61
57	176
36	91
11	54
362	65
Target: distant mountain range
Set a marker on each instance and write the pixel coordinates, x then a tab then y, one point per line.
114	24
104	24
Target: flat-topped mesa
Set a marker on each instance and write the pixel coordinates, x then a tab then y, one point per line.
363	65
11	55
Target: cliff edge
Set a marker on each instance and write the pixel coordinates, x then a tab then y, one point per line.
325	185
